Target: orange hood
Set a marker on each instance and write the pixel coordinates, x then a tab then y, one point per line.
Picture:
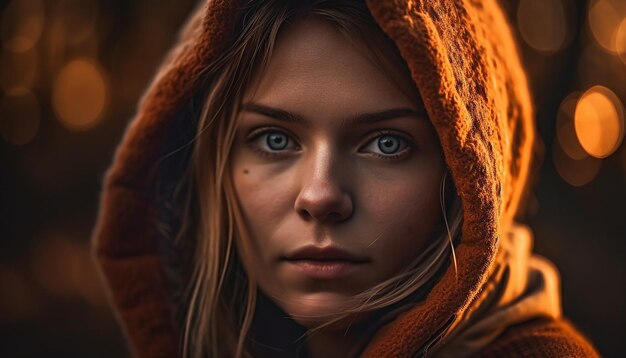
465	64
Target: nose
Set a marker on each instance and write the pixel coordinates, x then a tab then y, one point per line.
321	197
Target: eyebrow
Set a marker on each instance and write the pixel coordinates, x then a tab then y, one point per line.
363	118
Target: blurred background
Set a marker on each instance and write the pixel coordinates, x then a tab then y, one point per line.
72	72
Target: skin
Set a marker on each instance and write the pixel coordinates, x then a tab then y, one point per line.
331	184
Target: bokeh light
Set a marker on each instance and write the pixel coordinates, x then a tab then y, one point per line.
18	69
80	94
604	19
598	67
624	159
22	24
599	121
19	116
79	18
82	62
620	40
54	47
543	24
565	131
64	268
575	172
18	296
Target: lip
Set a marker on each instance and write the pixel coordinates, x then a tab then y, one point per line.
324	253
326	263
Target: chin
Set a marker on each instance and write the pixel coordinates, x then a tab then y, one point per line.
315	309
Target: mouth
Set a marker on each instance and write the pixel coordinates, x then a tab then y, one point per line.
325	263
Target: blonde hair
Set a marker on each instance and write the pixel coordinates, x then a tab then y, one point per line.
222	297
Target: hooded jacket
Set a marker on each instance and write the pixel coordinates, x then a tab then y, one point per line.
501	300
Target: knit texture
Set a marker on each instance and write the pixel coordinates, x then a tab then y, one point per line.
126	241
466	67
540	338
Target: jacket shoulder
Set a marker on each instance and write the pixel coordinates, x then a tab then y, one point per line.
541	338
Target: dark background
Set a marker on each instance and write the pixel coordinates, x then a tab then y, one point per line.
72	72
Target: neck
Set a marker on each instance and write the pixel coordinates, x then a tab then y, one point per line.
338	342
334	343
286	336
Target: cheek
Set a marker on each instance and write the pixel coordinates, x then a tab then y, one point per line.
264	199
407	217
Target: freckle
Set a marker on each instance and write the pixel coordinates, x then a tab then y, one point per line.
409	229
246	171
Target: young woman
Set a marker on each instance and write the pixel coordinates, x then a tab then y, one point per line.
332	178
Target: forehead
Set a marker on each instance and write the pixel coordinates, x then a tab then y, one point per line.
314	62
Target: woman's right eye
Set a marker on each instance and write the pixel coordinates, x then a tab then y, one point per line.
273	142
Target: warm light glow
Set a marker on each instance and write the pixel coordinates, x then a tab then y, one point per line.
19	116
55	265
620	40
624	158
599	121
80	94
78	18
565	131
18	300
599	67
575	172
18	69
54	48
64	267
604	19
22	24
542	24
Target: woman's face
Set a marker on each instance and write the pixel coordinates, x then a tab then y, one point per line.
337	171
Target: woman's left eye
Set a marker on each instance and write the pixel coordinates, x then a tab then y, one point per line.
273	142
387	145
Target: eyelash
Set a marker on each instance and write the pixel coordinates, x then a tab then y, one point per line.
255	135
410	143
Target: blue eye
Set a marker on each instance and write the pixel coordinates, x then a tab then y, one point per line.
388	145
277	141
268	141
